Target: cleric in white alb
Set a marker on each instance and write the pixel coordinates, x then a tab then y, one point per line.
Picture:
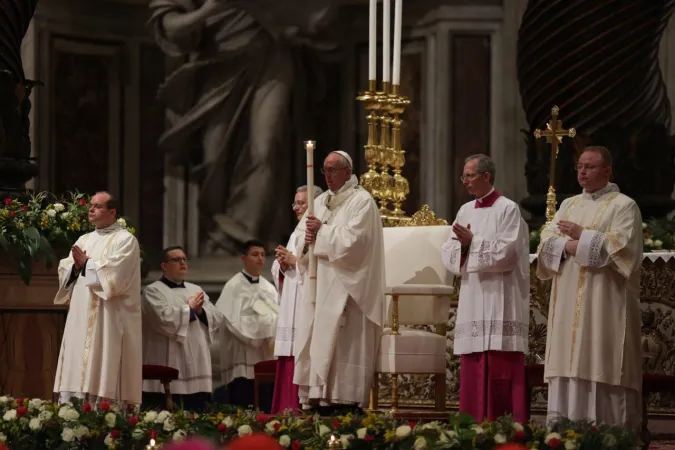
100	357
489	248
337	337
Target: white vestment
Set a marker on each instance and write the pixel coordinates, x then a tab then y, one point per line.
494	297
171	338
593	350
247	334
338	334
100	355
289	290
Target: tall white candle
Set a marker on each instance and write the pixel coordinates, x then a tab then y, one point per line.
372	41
386	40
398	24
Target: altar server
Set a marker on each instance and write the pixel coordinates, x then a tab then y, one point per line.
338	332
249	304
179	324
100	357
592	250
287	281
488	248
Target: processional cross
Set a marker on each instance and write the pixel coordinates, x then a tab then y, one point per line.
554	134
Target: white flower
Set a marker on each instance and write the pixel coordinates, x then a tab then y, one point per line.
609	441
649	242
4	399
115	408
162	416
362	432
570	445
420	443
403	431
180	435
478	430
150	416
244	430
285	441
344	440
169	424
644	225
9	415
551	436
109	441
500	438
51	212
3	438
430	426
323	430
68	413
35	403
110	420
270	426
517	426
121	222
67	435
35	424
228	422
138	433
65	215
81	432
59	207
45	415
658	243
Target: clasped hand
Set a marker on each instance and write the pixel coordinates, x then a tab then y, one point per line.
463	234
196	301
79	256
570	229
313	226
285	258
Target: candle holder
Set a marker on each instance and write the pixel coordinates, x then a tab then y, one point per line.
400	187
371	179
384	150
333	443
152	445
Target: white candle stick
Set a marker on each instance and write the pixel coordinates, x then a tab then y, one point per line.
372	41
309	146
386	41
398	24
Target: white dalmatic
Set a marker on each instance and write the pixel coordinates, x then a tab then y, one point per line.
100	357
289	287
338	333
494	297
249	306
175	336
593	350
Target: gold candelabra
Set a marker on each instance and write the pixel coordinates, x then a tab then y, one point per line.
384	108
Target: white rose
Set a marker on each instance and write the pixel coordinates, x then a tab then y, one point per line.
649	242
644	225
228	422
4	399
121	222
150	416
81	432
35	403
69	414
361	433
344	440
430	426
67	435
517	426
45	415
570	445
162	416
35	424
65	215
500	438
270	426
609	441
420	443
169	424
403	431
552	436
51	213
658	243
478	430
115	408
323	430
138	433
9	415
179	435
110	420
285	441
59	207
3	438
109	441
244	430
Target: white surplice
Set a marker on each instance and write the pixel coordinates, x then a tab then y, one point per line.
100	355
593	350
289	290
247	334
337	336
494	297
171	338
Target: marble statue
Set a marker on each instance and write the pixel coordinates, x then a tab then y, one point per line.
229	105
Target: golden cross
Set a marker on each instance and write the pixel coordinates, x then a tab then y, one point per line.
554	133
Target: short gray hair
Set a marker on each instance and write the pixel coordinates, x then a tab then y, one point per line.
317	190
485	165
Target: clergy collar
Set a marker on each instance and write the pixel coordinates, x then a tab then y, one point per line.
335	199
172	284
251	279
109	229
611	187
488	199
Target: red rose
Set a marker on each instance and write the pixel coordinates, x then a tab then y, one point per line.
24	208
554	443
86	407
8	201
296	445
104	406
12	214
368	438
115	434
412	424
594	428
21	411
336	424
133	420
20	401
153	434
277	426
81	202
222	428
519	435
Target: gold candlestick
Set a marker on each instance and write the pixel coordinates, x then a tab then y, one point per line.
371	179
401	187
333	443
384	150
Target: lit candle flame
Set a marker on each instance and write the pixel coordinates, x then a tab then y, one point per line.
309	145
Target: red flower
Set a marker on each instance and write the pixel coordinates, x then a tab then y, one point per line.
24	208
262	418
86	407
153	434
104	406
412	424
133	420
8	201
511	446
20	401
277	426
519	435
336	424
11	213
295	445
81	202
115	434
554	443
368	438
594	428
222	428
21	411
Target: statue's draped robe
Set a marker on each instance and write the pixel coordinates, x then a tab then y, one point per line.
338	335
100	357
175	336
593	350
289	287
491	333
246	337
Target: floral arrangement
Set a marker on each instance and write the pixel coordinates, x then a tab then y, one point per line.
32	424
37	229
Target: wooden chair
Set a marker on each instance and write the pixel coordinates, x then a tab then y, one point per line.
263	372
164	375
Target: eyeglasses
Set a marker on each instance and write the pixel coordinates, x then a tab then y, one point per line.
470	176
587	168
178	260
331	170
298	204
